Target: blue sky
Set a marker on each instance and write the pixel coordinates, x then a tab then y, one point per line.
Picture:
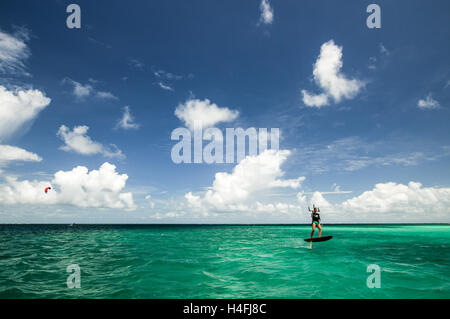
153	57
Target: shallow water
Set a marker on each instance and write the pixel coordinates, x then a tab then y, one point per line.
119	261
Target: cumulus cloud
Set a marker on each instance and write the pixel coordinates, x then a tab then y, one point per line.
13	52
252	176
266	9
408	199
428	103
244	199
127	120
82	91
320	201
10	153
386	202
18	108
78	141
314	100
80	187
327	75
205	113
79	90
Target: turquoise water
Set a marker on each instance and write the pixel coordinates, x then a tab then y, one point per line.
224	261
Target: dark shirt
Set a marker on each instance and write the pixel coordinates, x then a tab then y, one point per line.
315	217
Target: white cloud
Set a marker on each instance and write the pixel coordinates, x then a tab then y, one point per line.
167	75
320	201
13	52
266	12
19	107
78	141
428	103
314	100
10	153
79	90
82	91
127	120
106	95
252	176
315	199
100	188
165	87
327	75
337	190
204	112
407	199
166	79
387	202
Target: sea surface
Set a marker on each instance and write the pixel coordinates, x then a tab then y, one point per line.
134	261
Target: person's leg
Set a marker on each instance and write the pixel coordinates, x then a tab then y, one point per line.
313	229
320	230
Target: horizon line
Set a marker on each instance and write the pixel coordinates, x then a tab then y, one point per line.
213	224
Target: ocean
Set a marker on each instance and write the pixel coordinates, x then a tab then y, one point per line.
219	261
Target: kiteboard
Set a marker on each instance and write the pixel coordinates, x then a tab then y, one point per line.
317	239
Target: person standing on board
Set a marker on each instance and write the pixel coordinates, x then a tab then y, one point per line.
315	220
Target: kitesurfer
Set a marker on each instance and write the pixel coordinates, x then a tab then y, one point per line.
315	220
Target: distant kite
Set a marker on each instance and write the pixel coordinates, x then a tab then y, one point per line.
47	189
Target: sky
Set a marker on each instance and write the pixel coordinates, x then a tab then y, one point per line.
362	112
